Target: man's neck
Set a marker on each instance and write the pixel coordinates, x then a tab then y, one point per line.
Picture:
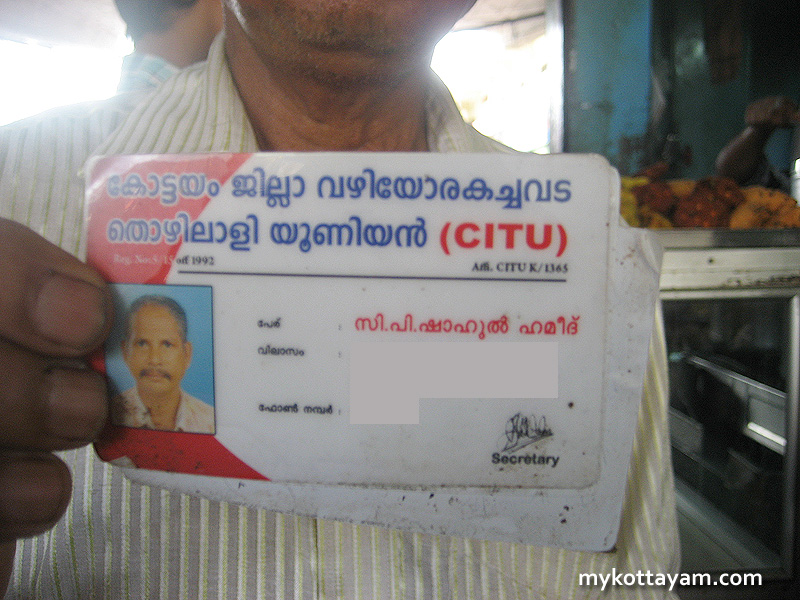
306	112
163	409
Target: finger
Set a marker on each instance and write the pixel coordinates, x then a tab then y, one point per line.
51	302
784	109
48	404
35	490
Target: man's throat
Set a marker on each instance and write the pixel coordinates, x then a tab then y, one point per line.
163	409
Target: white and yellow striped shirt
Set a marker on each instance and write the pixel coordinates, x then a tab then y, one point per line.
121	540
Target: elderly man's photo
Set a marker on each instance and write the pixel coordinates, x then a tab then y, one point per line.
157	351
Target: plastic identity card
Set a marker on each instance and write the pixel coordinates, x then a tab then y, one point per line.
443	343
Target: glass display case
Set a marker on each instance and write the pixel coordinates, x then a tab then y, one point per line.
731	303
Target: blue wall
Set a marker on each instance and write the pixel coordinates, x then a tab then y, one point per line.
607	79
706	115
614	47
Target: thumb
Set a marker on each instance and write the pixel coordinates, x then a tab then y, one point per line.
50	302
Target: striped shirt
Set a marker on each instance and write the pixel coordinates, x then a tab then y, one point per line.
122	540
42	157
193	415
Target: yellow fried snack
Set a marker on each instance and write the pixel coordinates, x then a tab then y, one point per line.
628	183
748	215
681	187
764	207
652	219
768	197
627	206
629	211
787	216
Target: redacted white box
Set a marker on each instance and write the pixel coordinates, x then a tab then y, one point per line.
444	343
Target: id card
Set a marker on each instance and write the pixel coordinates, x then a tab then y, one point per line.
400	321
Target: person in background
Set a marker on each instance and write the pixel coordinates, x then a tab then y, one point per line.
167	35
285	75
73	132
743	158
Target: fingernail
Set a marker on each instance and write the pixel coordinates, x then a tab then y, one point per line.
69	312
33	491
76	403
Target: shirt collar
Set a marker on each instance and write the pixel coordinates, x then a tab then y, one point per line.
447	130
205	109
144	72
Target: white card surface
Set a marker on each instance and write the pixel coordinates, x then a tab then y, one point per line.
369	325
